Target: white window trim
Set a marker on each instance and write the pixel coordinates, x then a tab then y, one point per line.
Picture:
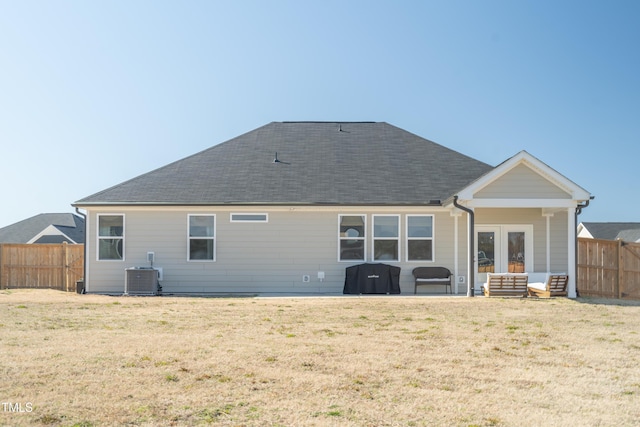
214	238
98	237
433	238
364	239
374	238
265	220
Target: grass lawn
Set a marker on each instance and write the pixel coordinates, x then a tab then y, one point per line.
88	360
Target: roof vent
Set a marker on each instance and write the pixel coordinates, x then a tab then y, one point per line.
276	160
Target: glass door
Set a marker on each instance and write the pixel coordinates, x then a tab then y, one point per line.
503	249
516	251
488	253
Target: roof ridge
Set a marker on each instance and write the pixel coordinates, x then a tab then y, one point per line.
328	122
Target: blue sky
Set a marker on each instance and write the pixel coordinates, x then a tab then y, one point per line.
94	93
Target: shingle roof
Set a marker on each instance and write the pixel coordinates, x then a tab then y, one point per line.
23	231
610	230
629	235
347	163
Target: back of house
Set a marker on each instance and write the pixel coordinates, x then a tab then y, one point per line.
287	207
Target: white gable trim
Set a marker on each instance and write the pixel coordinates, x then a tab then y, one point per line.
584	232
50	230
577	193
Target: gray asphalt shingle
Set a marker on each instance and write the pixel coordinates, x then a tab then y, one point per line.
23	231
344	163
612	230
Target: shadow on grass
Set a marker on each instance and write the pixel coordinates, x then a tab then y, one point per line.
608	301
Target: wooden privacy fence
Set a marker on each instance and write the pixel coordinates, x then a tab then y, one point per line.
41	266
608	269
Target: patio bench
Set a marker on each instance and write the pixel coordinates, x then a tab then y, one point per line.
506	284
432	276
555	285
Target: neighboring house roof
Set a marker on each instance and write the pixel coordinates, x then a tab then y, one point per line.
344	163
45	228
611	230
629	235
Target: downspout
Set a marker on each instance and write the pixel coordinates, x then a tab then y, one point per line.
472	276
578	212
84	258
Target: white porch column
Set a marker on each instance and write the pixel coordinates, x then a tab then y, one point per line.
456	249
548	216
470	260
457	264
571	261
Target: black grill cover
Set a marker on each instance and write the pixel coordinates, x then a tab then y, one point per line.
372	279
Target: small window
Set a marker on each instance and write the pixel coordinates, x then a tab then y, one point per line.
249	217
352	237
386	238
420	237
111	237
202	238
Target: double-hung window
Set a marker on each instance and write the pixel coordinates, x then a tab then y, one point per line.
111	237
419	237
352	237
202	238
386	237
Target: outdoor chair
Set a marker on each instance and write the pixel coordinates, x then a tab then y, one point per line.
554	286
506	285
432	276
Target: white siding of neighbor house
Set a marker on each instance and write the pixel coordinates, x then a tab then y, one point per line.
255	257
534	216
522	182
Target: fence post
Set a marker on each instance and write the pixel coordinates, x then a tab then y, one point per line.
65	266
1	268
620	281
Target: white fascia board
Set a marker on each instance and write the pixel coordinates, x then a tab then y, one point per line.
576	192
521	203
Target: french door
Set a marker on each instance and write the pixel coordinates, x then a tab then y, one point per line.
503	249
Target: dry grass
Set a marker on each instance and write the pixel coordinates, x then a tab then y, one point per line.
83	360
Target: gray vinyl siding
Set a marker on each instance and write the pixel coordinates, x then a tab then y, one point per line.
251	257
558	236
522	182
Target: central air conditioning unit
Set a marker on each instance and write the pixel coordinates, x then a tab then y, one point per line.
141	281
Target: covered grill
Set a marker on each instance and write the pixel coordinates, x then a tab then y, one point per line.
372	279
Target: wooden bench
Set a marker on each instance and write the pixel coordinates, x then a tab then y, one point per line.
506	285
432	276
555	285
